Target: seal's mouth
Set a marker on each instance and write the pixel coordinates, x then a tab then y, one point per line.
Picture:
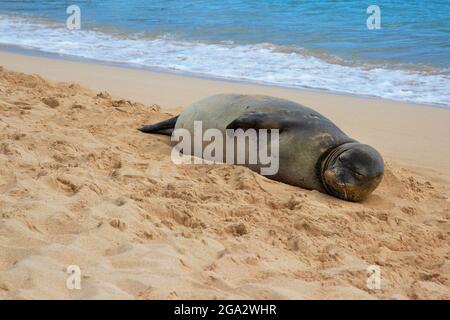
329	160
346	190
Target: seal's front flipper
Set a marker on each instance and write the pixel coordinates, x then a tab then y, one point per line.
164	127
263	120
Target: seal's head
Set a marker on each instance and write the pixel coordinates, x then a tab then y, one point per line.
352	171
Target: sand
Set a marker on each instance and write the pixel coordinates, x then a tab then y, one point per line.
80	186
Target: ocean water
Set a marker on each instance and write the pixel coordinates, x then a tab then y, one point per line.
301	44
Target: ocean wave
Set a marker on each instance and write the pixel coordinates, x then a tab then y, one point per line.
260	63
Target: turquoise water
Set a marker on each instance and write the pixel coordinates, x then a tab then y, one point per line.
314	44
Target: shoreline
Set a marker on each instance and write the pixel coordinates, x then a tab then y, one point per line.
408	133
17	50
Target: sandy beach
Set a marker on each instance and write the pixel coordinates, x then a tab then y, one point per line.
79	185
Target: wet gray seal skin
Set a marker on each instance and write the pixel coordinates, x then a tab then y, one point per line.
313	152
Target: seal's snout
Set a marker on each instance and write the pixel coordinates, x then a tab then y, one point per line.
353	171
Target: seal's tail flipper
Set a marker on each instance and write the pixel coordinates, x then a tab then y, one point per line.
164	127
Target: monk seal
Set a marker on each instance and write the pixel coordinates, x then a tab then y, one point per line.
313	152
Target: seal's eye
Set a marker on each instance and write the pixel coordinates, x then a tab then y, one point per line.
358	175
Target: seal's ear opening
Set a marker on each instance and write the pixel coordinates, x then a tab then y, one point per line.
353	171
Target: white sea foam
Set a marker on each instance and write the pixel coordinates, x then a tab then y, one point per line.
260	63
